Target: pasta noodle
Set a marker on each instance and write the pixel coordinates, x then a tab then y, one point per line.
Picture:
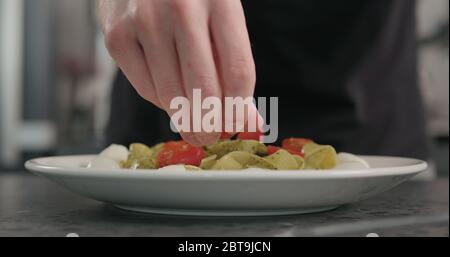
224	147
319	156
283	160
139	157
241	160
208	162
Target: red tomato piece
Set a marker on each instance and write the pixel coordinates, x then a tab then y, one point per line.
295	144
180	152
250	135
301	154
272	149
174	144
226	135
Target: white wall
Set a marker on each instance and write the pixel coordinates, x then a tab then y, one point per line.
434	65
11	21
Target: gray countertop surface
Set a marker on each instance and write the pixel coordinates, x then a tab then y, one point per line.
33	206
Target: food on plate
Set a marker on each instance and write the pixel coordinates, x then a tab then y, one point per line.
140	157
244	152
180	152
294	144
351	161
101	162
115	152
319	156
224	147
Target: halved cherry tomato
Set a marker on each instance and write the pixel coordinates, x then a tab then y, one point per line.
295	144
250	135
273	149
174	144
226	135
180	152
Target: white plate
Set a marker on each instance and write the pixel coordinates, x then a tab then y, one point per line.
226	193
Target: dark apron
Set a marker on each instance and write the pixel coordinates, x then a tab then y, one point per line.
344	72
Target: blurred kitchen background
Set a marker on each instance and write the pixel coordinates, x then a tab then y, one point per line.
55	77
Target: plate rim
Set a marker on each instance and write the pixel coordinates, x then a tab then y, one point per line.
37	167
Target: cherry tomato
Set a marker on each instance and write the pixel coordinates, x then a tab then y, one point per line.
295	144
180	152
250	135
226	135
174	144
273	149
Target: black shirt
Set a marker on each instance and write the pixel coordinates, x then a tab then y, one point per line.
344	72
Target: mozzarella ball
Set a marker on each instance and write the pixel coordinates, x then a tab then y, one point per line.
115	152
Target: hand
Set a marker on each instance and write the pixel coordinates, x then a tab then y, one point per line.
167	48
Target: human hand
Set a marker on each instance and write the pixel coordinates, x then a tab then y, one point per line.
167	48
